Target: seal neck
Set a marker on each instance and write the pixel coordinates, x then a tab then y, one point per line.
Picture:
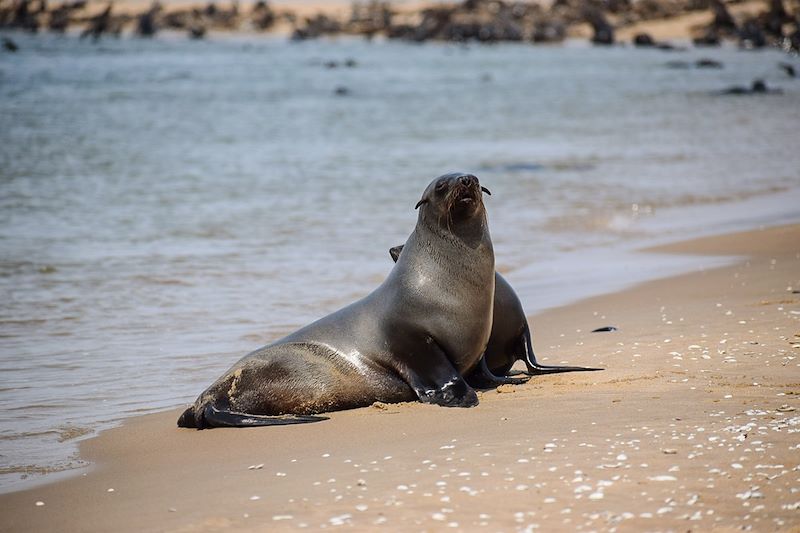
471	232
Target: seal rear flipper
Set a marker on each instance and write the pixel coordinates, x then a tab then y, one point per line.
482	377
213	417
535	369
187	419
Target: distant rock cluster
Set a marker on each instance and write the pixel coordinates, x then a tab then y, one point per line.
773	27
470	20
34	15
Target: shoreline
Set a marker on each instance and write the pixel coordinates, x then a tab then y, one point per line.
676	337
537	296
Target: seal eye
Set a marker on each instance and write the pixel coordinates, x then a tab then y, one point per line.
441	186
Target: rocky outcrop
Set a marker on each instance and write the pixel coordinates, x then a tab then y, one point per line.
485	21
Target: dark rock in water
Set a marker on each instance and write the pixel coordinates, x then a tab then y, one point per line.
10	45
341	91
788	69
669	47
643	39
331	64
758	87
738	89
350	63
707	63
605	329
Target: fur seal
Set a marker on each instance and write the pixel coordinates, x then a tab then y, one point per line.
510	340
413	337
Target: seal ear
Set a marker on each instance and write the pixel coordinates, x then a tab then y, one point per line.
423	201
487	191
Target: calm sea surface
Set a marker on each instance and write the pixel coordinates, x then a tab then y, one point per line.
167	206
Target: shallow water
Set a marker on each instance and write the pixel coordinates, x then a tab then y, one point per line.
167	206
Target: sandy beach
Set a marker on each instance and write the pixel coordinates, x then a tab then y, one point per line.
692	426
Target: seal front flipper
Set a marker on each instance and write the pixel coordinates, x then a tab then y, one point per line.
535	369
213	417
482	377
453	393
439	383
394	252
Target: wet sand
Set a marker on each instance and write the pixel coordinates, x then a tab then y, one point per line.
693	425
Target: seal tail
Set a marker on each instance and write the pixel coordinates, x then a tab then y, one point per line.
535	369
213	417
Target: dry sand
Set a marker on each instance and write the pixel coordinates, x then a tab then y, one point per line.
695	425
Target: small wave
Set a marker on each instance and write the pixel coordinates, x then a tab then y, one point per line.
41	469
72	432
621	219
28	435
35	407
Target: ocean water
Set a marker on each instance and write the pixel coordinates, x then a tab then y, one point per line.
167	206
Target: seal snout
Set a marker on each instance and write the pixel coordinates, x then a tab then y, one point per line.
467	189
468	180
